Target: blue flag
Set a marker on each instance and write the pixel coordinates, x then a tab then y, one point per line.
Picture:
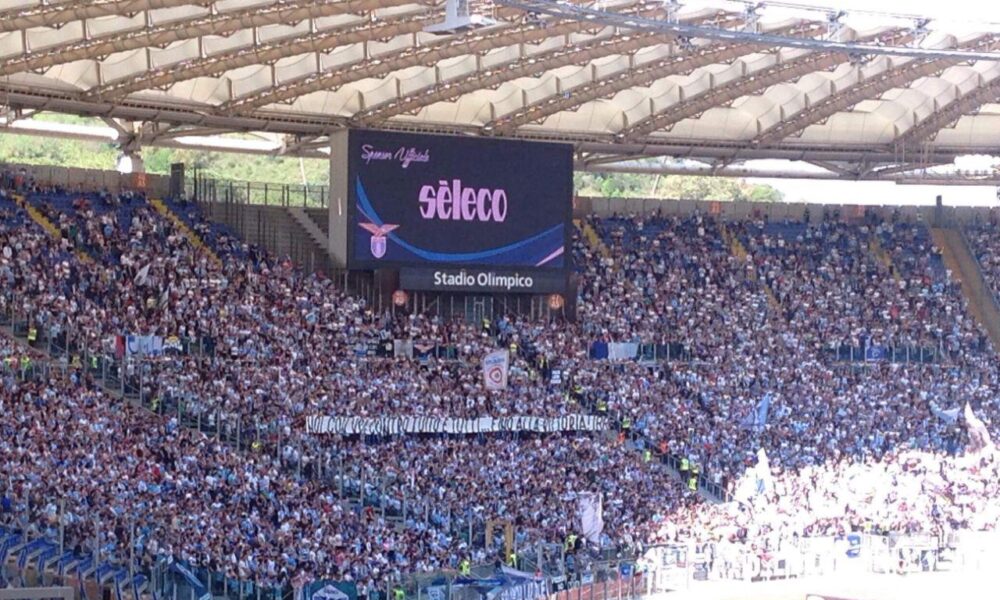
138	582
200	590
118	577
949	415
9	542
763	407
79	579
758	416
67	560
45	557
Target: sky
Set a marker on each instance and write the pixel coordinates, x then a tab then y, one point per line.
976	15
880	192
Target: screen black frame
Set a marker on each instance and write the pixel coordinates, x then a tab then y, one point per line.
354	264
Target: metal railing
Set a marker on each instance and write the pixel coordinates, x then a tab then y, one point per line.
891	354
206	189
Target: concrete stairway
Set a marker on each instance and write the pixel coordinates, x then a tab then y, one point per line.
279	230
308	224
192	237
49	227
321	218
593	239
964	268
876	249
737	249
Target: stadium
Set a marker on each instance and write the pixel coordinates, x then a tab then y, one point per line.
444	373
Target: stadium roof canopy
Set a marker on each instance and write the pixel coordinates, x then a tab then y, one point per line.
714	83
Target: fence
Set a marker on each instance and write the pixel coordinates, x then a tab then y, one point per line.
203	189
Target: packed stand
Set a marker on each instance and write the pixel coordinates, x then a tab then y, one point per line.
870	285
269	345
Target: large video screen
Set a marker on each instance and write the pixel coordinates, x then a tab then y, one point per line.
436	201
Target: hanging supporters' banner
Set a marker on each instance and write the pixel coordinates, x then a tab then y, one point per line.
325	589
614	350
505	584
173	344
144	345
623	351
402	425
495	366
437	592
518	585
590	510
402	348
876	353
620	587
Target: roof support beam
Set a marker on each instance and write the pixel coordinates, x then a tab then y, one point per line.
496	75
834	167
947	115
615	19
718	170
289	12
592	90
474	42
872	87
899	174
266	53
53	14
683	62
23	97
526	66
751	83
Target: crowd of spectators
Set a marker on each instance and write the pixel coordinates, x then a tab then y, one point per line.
756	307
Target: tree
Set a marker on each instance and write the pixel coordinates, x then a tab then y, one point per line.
632	185
289	170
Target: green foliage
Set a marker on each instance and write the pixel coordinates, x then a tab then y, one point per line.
35	150
273	169
631	185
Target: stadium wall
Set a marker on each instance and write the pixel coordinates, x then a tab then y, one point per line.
733	211
159	186
93	179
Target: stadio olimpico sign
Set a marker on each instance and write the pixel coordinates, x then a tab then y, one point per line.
483	280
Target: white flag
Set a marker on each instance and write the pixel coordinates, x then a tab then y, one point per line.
756	481
979	437
590	509
495	365
142	275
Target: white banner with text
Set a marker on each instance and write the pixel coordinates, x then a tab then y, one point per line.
404	425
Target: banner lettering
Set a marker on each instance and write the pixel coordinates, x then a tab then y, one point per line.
407	425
